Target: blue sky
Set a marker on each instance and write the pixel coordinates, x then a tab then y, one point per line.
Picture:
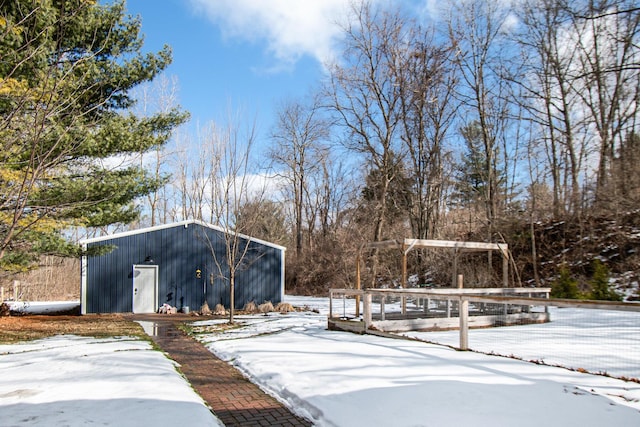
240	53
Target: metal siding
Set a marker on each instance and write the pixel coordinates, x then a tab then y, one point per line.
109	276
218	291
195	287
179	251
260	281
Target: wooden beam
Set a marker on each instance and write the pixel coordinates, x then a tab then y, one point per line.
358	284
404	270
406	248
454	273
426	243
460	245
439	292
504	249
404	280
505	270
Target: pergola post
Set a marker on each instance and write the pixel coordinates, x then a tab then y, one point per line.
404	279
404	269
358	284
454	276
505	264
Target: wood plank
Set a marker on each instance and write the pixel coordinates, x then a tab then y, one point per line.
434	244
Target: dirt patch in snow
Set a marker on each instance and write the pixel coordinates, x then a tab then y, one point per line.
24	328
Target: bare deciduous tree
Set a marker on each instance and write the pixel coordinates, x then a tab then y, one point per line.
161	95
476	29
365	96
427	80
298	136
233	188
606	40
549	98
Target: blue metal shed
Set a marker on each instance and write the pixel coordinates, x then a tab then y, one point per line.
183	264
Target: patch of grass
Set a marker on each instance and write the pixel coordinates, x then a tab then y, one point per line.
186	328
218	327
14	329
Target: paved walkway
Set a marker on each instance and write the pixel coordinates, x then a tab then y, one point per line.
235	400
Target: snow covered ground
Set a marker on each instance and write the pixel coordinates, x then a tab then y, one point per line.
593	340
333	378
343	379
78	381
40	307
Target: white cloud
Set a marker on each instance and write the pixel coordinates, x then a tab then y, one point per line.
290	28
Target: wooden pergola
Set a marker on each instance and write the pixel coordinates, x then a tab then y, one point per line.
458	247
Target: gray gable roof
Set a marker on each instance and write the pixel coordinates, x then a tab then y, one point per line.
178	224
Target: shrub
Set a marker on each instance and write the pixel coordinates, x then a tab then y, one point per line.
204	309
600	286
285	307
250	307
220	310
265	307
565	286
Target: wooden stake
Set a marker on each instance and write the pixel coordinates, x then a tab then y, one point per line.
358	284
505	270
404	279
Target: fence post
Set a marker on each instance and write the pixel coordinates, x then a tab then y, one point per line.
463	314
464	323
366	315
404	279
330	305
383	299
358	285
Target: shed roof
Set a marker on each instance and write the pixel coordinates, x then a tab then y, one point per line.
185	224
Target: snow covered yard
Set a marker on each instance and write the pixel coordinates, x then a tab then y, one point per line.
333	378
79	381
598	341
342	379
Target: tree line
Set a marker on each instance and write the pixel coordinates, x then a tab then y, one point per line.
452	125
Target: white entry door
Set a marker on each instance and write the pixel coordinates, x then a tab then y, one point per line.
145	288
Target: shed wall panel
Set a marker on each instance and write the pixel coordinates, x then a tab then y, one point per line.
179	253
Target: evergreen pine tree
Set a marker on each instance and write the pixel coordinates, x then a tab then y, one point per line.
66	69
565	286
600	287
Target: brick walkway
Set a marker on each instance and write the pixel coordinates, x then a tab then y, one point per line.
235	400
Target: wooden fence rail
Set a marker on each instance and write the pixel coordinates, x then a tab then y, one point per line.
506	297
